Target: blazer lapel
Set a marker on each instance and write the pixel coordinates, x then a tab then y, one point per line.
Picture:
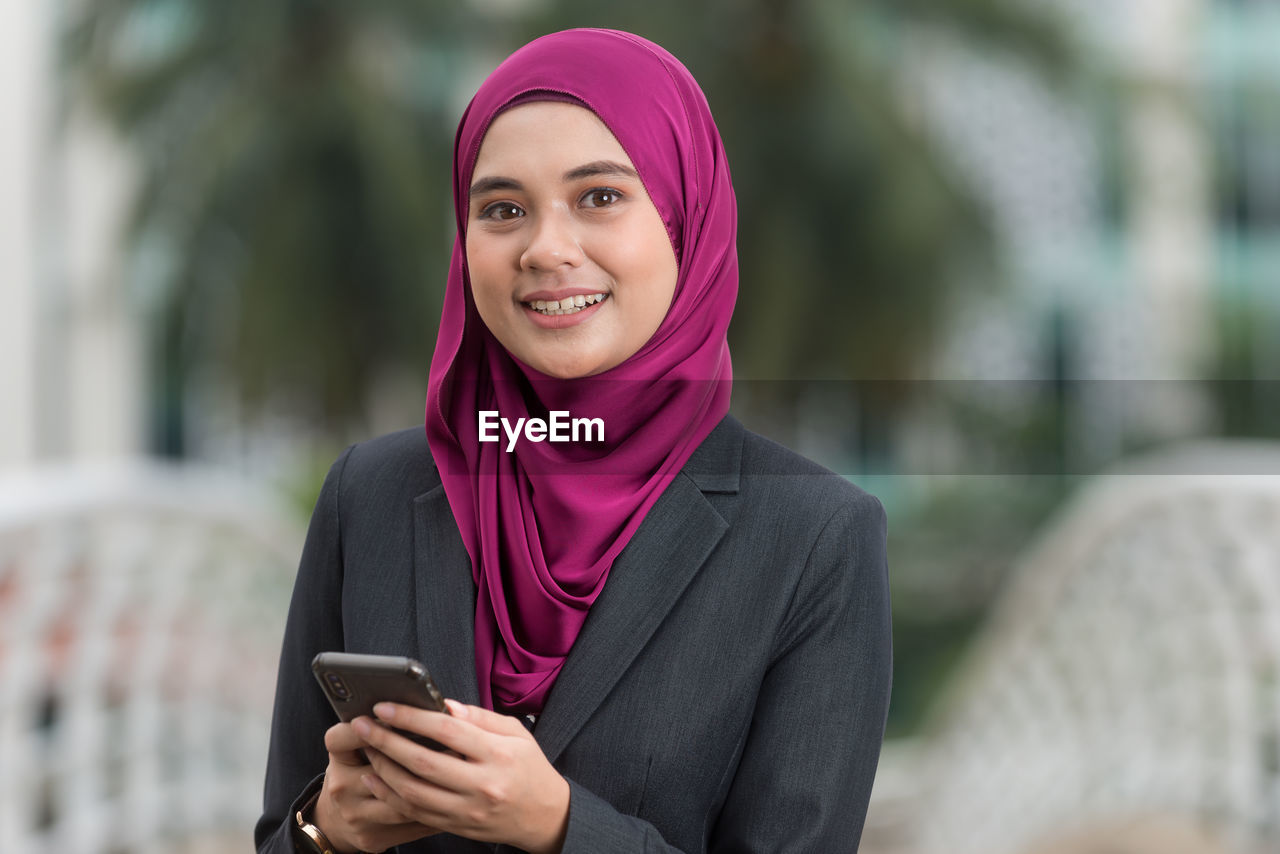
446	598
646	581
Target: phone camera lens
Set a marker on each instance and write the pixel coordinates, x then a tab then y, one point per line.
339	687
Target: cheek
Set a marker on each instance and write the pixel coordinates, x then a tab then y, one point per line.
482	273
659	272
645	256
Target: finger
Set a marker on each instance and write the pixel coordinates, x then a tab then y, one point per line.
447	770
486	719
407	795
453	732
344	744
375	825
345	798
372	810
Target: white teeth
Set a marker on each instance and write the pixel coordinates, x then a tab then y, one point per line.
568	305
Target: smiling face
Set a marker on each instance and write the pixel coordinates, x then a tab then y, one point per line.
571	267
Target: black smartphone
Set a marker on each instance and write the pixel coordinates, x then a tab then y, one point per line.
354	683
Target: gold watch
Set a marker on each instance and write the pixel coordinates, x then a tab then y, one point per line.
306	836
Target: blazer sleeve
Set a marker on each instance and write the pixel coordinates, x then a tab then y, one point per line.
806	771
296	757
807	766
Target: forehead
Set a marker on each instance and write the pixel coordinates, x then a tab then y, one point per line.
545	139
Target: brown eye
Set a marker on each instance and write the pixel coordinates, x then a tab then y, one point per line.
501	211
601	197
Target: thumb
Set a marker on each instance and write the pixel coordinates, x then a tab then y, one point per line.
486	719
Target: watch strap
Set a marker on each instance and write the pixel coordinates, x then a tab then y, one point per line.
309	838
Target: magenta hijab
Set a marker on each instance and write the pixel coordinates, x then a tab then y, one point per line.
544	523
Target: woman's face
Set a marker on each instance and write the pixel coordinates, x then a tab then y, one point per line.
571	267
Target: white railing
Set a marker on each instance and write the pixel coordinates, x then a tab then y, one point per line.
141	609
1131	671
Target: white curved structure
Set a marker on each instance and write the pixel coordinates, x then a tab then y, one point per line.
141	610
1132	669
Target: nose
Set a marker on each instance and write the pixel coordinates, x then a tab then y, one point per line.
553	243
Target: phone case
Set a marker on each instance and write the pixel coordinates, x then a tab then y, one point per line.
354	683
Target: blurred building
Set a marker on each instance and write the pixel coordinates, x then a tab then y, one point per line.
1139	209
71	369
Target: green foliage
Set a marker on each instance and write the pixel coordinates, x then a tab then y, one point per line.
852	233
1244	388
950	549
291	227
291	224
925	651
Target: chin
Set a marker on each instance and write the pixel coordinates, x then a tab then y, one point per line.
566	368
561	372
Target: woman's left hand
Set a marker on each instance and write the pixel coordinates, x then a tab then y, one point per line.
499	788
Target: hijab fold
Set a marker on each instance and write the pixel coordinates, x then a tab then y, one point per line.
544	523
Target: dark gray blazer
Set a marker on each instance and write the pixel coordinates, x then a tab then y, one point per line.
728	690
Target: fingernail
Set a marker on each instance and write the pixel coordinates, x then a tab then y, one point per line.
361	726
458	710
386	711
367	779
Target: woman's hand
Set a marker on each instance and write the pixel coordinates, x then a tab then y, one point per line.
499	787
351	817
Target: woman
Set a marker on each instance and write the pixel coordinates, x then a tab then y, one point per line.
670	637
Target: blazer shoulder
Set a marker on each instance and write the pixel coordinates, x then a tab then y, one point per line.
398	464
800	482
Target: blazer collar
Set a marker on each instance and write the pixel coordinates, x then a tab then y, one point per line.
645	582
717	463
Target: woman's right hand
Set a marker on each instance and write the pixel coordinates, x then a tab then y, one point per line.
346	811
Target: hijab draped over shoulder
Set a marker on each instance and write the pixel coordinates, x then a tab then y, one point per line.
544	522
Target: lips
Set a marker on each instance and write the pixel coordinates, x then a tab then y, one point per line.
565	305
552	310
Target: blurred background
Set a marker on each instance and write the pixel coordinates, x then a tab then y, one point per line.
1012	266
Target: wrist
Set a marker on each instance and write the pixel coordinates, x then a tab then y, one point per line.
548	832
315	822
307	836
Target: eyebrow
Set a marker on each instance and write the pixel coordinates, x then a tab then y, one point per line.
600	167
594	169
